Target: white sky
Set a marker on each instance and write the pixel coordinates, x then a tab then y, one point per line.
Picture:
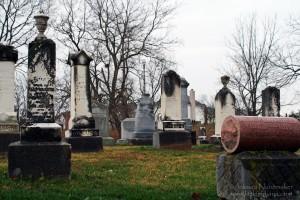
204	26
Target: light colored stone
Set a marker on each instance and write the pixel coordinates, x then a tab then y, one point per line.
127	128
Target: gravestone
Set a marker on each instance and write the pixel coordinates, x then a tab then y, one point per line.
9	129
259	162
193	105
173	134
271	102
184	104
224	105
127	128
40	151
84	137
100	114
144	122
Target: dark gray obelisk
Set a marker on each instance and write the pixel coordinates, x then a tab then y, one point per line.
40	151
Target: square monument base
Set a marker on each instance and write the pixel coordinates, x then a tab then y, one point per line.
180	140
37	159
141	141
258	175
85	143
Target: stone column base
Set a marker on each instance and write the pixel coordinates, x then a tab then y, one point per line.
180	140
85	144
37	159
258	175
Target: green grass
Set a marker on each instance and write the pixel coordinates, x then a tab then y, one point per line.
123	172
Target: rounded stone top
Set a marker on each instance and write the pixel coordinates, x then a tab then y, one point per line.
41	24
8	53
183	82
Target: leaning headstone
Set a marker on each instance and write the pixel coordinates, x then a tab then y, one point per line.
40	151
144	122
259	163
100	114
224	106
9	129
173	134
84	137
271	102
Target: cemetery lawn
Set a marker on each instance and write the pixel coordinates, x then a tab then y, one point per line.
123	172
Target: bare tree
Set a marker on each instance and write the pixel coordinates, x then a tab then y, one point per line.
255	50
117	34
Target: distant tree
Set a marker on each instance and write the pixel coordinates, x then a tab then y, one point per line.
254	52
118	34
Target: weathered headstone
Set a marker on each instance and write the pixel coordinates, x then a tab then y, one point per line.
83	134
9	129
224	105
271	102
40	151
144	122
173	134
127	128
260	163
100	114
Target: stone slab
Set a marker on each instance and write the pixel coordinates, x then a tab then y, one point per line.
258	175
6	139
9	128
84	132
37	159
42	132
108	141
140	141
85	144
180	140
122	141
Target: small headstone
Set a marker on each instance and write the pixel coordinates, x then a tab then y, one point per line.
271	102
127	128
84	136
40	151
224	105
9	129
144	122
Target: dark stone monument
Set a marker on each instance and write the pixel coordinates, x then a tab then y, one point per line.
40	151
144	122
84	136
260	163
9	128
172	134
271	102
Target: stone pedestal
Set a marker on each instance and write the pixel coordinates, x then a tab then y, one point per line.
84	136
33	159
40	151
180	140
258	175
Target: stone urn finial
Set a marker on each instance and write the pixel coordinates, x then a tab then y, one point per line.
225	80
41	24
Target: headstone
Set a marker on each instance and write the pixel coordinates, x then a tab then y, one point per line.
173	134
144	122
224	105
40	151
84	137
100	114
9	129
184	105
127	128
271	102
259	162
193	105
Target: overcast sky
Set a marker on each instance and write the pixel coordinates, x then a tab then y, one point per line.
204	26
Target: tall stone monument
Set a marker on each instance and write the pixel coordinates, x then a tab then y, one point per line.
271	102
193	105
224	105
9	129
172	134
83	134
144	121
40	151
